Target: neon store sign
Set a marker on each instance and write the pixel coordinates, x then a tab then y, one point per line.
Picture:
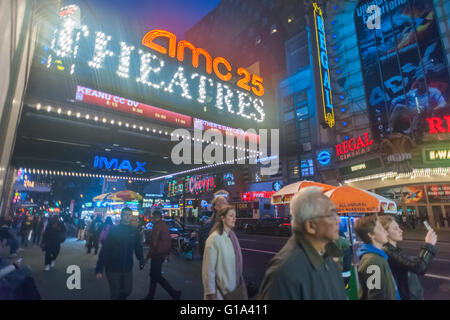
200	184
436	124
323	67
76	50
354	147
125	165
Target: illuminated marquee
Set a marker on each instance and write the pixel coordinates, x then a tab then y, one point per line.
111	101
75	50
323	67
103	162
437	155
354	147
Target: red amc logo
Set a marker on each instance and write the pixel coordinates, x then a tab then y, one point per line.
436	124
353	147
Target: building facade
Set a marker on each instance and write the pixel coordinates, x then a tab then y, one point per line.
390	79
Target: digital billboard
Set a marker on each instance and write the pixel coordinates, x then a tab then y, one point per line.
405	71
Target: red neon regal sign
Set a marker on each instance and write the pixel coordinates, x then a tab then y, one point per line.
436	124
354	147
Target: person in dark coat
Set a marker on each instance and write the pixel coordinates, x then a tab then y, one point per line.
304	268
37	230
375	276
116	256
404	268
95	231
160	245
54	235
27	227
7	238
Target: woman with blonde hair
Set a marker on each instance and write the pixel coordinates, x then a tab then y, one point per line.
222	262
404	268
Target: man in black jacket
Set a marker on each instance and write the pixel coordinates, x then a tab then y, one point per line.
404	268
116	256
304	268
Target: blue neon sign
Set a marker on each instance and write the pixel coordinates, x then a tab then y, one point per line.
103	163
324	157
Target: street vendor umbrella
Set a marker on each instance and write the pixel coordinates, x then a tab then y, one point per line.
354	200
285	194
125	195
101	197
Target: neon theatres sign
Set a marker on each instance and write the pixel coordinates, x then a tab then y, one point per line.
354	147
75	50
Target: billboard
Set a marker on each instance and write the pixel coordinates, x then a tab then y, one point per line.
404	69
108	58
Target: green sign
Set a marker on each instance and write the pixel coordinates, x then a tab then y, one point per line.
437	155
360	167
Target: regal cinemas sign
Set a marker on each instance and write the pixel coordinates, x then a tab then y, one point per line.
354	147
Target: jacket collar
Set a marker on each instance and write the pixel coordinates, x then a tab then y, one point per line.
331	250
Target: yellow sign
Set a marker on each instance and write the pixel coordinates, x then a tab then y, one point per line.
322	53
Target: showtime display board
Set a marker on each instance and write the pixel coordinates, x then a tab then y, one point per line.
134	68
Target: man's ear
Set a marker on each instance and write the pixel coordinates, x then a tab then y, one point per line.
310	227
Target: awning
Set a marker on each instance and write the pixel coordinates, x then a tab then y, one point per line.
285	194
354	200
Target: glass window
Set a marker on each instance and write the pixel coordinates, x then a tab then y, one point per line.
265	20
289	116
307	168
300	97
302	113
258	40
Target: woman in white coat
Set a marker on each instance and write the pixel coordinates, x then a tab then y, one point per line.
222	261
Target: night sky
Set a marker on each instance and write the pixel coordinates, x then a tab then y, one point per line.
176	16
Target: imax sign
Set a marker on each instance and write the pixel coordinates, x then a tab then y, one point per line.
125	165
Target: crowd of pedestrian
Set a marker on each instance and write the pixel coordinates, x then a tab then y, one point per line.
314	264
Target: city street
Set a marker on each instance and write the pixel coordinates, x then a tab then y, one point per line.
186	275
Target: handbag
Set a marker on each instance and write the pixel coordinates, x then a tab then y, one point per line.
240	293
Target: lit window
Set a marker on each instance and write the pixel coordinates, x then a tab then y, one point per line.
291	18
273	29
258	40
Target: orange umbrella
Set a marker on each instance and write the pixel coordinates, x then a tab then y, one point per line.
354	200
285	194
125	195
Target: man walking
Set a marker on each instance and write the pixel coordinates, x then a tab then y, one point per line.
375	276
116	257
160	245
304	268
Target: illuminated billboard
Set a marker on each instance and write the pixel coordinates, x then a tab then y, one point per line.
404	69
108	60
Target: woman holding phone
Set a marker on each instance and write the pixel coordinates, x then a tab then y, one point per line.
404	268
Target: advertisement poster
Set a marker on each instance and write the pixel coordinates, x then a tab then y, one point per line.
404	69
404	195
438	193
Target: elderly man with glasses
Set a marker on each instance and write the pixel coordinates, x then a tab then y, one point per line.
304	268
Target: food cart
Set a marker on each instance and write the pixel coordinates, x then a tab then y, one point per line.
351	203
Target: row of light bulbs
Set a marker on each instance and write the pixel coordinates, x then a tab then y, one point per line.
425	172
77	174
78	115
200	168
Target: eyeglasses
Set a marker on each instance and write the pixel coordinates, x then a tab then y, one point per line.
334	215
